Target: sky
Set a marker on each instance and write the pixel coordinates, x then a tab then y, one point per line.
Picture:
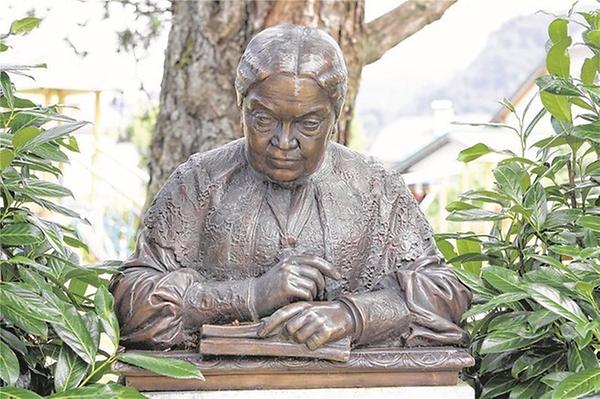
432	55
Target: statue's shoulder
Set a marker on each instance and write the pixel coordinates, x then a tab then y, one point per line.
354	163
219	161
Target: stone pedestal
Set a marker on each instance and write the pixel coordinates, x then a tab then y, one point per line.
367	368
460	391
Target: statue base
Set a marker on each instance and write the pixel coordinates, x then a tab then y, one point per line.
460	391
372	367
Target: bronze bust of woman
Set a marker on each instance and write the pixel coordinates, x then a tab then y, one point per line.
288	227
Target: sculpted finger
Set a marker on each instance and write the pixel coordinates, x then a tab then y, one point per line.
318	339
295	323
300	289
307	284
306	331
320	264
279	317
315	276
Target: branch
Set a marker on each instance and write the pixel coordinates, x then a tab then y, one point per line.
391	28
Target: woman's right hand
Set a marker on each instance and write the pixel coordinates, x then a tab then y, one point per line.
294	278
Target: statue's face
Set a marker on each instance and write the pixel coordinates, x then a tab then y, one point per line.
287	122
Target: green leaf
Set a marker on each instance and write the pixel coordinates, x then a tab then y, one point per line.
3	47
592	38
504	280
558	106
459	206
590	131
18	296
13	341
161	365
532	365
552	262
509	321
590	221
566	250
557	61
486	196
75	243
555	378
527	390
495	362
9	364
6	157
581	103
53	134
35	187
561	217
558	86
24	135
445	248
553	300
471	247
23	260
589	69
475	215
497	386
474	152
22	319
548	260
500	341
578	384
17	103
473	282
535	199
73	330
99	391
499	301
581	359
558	30
50	152
70	370
509	177
17	393
104	304
20	234
7	90
541	318
24	25
71	144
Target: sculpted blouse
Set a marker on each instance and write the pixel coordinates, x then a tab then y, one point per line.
217	223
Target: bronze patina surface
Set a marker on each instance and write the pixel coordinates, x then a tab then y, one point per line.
286	228
366	367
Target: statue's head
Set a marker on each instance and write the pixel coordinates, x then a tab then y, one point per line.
291	82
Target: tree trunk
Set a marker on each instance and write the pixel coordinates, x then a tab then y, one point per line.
198	109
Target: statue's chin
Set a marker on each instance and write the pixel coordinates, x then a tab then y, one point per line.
285	180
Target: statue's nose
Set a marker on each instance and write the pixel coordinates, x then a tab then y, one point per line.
284	137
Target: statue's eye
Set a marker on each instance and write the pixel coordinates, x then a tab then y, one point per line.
264	121
310	125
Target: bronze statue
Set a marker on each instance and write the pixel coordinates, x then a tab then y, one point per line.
287	228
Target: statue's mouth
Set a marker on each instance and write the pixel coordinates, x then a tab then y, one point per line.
284	163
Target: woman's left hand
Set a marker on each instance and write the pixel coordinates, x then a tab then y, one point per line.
312	323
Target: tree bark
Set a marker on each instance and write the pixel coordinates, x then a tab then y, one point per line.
198	109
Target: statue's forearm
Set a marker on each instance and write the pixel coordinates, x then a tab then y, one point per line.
157	309
219	302
378	315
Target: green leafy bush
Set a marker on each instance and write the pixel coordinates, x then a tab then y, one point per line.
53	311
535	321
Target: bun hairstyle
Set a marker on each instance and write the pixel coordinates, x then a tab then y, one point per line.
299	51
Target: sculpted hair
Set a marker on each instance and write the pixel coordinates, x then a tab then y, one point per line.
296	50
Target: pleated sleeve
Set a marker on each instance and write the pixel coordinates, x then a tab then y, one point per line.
419	301
161	296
